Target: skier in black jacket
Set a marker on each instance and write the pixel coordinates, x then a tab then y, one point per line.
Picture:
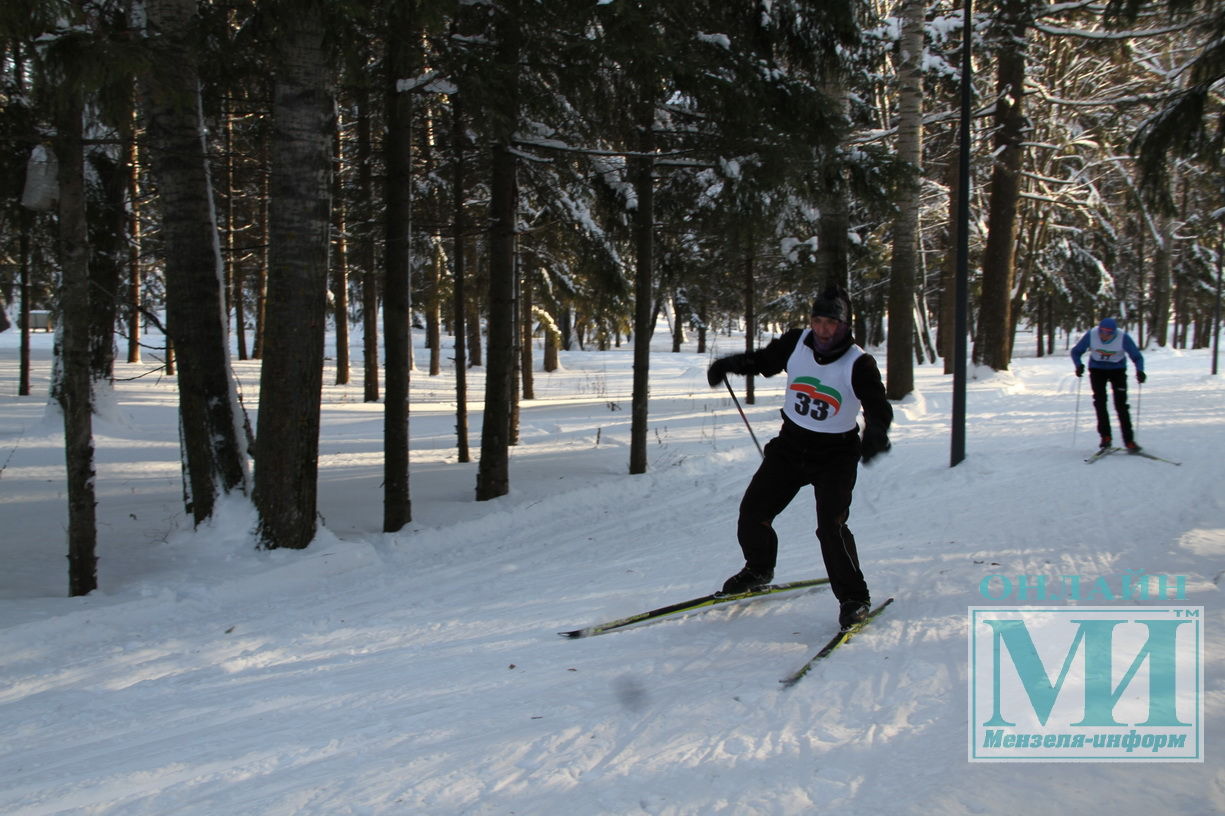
829	380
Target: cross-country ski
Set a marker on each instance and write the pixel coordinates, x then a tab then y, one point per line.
837	640
1101	453
1146	455
691	605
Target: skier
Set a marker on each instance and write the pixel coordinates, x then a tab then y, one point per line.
829	379
1108	350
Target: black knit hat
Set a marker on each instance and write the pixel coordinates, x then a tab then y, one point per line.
833	302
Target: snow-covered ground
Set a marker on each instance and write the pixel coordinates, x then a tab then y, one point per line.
421	672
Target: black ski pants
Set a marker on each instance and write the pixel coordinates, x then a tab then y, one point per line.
831	467
1117	379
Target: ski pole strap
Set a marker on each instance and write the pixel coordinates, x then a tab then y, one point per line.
742	416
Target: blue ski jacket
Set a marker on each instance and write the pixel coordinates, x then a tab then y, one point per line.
1104	354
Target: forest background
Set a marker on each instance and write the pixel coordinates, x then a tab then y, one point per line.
244	174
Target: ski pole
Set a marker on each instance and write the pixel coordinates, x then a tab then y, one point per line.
1076	417
1139	393
742	416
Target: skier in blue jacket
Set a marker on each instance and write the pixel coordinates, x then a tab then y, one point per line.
1108	350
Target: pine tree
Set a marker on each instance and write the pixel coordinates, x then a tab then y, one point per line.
286	465
208	406
993	346
906	259
493	474
74	387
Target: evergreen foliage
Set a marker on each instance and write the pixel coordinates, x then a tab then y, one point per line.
711	161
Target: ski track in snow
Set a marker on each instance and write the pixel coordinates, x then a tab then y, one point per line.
421	673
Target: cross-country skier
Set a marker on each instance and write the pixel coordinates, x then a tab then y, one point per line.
1108	350
829	380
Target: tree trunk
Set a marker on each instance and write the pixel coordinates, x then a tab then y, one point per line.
233	269
748	283
526	322
516	353
135	296
925	350
208	405
23	376
107	259
363	250
493	472
475	354
703	313
397	158
433	308
1162	265
567	328
994	344
644	245
261	274
946	332
832	258
340	271
678	322
73	390
493	476
291	381
900	359
459	258
552	347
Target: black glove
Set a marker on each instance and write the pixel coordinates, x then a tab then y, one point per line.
720	368
1141	376
1080	370
875	442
